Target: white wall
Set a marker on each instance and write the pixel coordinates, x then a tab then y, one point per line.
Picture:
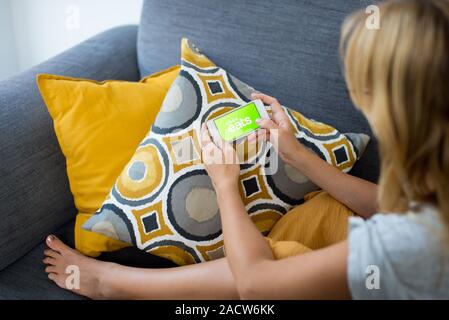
44	28
8	61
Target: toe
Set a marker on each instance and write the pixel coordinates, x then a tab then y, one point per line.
57	245
52	276
51	253
56	279
50	261
50	269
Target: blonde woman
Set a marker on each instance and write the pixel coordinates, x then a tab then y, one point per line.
398	76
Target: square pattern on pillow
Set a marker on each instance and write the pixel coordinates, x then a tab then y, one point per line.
163	202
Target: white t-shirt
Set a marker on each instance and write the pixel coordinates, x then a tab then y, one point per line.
399	256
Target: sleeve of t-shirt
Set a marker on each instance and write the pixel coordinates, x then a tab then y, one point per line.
388	256
365	260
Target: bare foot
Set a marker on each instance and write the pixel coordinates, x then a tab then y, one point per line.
73	271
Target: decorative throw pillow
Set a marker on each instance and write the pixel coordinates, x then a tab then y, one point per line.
163	202
99	126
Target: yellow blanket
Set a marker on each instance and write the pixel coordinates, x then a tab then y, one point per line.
319	222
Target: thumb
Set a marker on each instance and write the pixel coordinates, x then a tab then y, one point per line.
267	124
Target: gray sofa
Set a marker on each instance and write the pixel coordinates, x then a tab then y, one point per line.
288	49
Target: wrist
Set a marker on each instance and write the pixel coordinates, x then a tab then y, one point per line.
298	157
225	186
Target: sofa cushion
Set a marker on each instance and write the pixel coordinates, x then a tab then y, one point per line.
26	278
287	50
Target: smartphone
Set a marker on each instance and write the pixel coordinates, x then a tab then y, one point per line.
236	124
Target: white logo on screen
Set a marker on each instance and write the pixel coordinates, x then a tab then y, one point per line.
238	124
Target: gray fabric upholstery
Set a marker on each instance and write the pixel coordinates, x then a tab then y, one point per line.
287	49
26	278
34	194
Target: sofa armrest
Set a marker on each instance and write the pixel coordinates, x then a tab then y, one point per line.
35	198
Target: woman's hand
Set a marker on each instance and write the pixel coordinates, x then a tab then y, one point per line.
277	129
221	162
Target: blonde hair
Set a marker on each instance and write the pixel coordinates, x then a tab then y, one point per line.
398	76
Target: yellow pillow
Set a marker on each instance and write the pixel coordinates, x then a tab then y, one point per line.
99	126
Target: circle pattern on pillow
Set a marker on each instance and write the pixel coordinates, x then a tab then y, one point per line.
145	175
191	207
163	202
181	105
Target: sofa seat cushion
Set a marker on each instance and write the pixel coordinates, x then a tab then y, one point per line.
26	278
288	50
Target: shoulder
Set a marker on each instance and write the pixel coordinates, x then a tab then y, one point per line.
405	249
410	232
404	234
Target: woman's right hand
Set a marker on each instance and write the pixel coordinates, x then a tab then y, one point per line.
277	129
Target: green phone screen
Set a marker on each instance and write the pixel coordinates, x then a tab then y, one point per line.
238	123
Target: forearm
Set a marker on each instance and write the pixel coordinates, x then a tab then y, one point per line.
245	246
319	274
309	276
357	194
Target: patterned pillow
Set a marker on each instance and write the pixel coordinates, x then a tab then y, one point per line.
163	202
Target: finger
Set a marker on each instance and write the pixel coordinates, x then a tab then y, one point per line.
263	135
283	121
205	136
226	148
223	144
267	124
276	107
230	156
260	133
257	137
210	153
274	104
264	97
253	136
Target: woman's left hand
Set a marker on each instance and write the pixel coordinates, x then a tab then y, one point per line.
221	162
